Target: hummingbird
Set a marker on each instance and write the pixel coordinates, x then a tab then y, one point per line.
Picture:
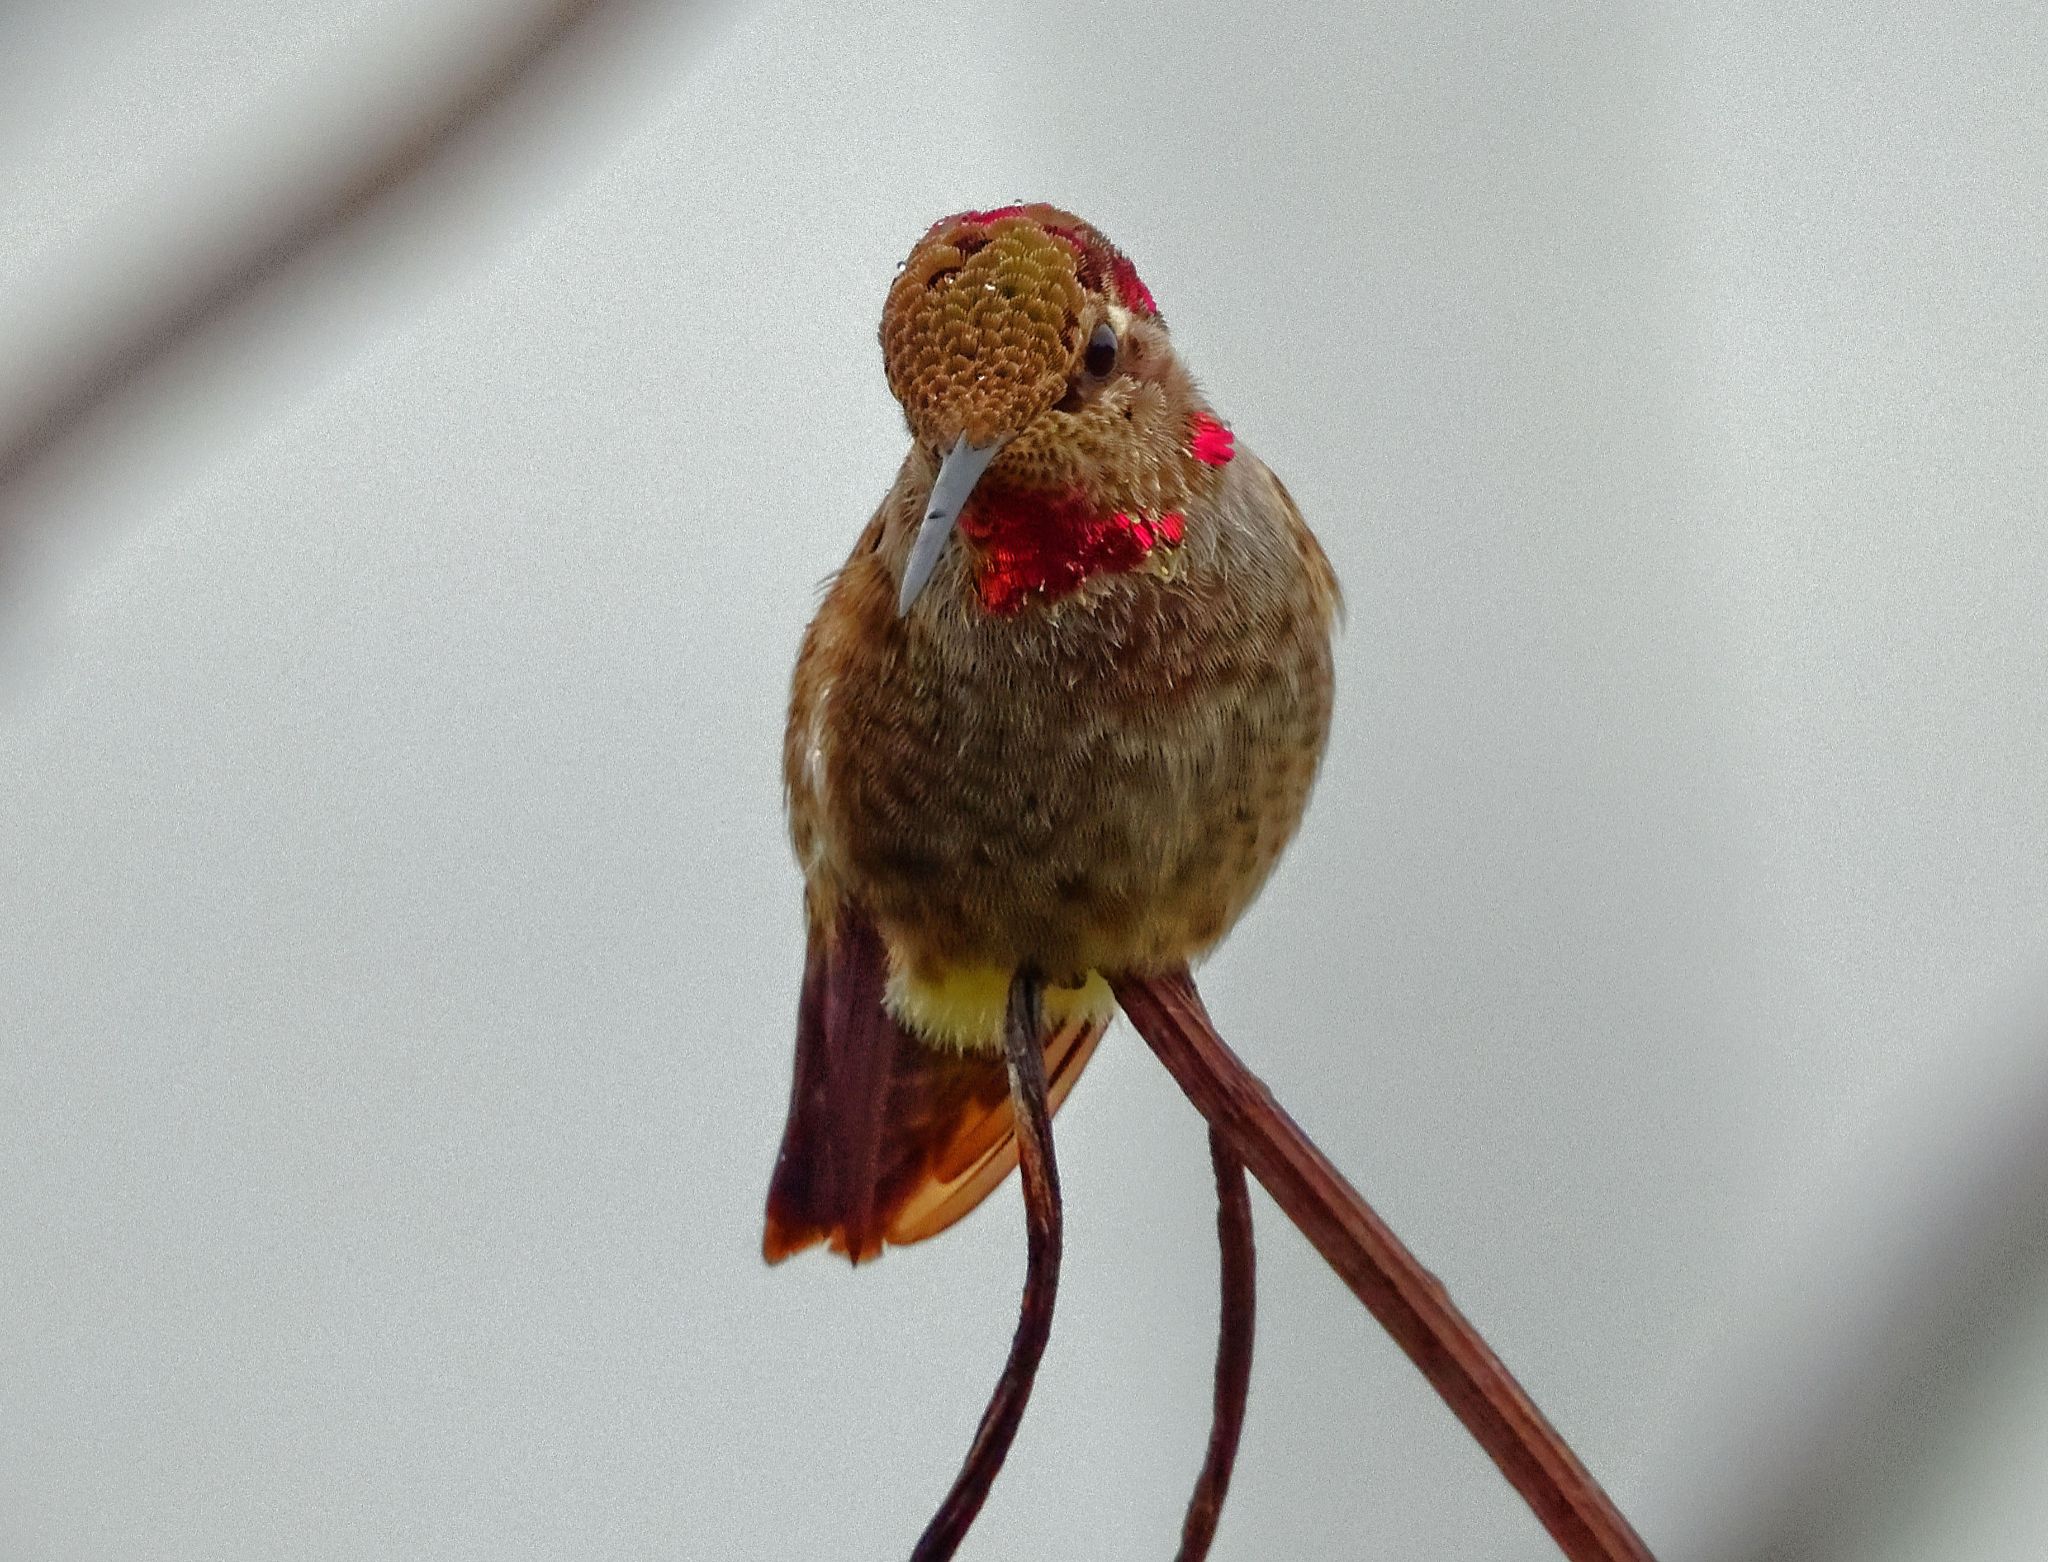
1055	720
1059	711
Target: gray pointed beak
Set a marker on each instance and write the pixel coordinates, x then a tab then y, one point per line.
958	474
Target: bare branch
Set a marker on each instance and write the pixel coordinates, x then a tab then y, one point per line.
1406	1298
1023	1043
1233	1349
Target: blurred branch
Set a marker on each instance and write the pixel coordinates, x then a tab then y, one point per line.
347	197
1934	1298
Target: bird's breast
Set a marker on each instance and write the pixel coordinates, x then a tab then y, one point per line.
1094	784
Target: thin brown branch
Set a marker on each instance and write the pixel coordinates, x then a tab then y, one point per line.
1023	1046
1406	1299
1233	1350
394	162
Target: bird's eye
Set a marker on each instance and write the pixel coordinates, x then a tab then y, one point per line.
1100	358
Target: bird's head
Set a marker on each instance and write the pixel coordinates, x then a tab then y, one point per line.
1031	362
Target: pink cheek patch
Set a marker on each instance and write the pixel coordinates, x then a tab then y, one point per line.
1209	441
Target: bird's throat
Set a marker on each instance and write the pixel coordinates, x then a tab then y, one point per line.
1038	546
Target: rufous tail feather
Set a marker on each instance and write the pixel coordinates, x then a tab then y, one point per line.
890	1138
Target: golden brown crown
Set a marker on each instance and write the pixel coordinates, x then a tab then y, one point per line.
981	329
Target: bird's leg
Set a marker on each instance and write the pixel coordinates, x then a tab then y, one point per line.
1233	1349
1024	1050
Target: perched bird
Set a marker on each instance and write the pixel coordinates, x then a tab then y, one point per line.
1060	709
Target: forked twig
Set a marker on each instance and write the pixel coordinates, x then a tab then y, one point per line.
1023	1048
1233	1349
1400	1293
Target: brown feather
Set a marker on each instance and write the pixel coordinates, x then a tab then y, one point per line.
1101	784
824	1183
978	1148
889	1138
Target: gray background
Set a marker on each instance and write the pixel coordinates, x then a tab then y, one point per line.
400	944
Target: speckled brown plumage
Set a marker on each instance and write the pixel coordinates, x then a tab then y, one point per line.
1093	768
1100	784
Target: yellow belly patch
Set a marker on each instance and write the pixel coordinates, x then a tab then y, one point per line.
962	1005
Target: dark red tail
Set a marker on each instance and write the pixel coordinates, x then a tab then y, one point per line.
889	1138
